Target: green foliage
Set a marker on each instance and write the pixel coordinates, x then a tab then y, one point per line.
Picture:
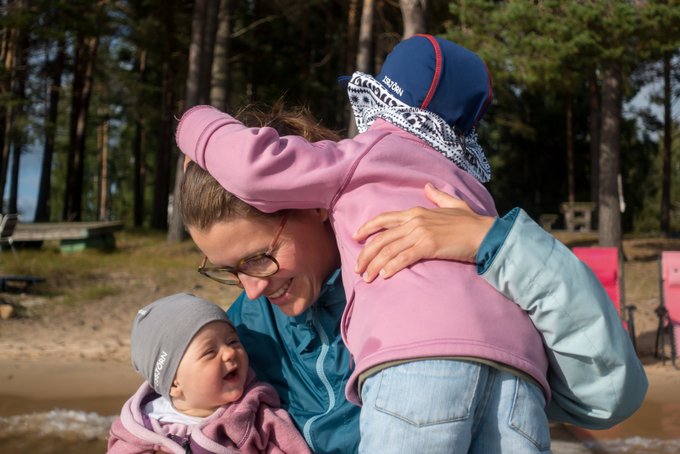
538	52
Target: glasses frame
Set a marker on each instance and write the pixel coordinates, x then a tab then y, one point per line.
202	269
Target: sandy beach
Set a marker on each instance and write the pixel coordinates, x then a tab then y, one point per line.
76	356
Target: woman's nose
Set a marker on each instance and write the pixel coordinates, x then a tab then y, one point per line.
254	286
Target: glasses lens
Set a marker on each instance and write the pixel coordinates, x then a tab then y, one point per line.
223	276
262	265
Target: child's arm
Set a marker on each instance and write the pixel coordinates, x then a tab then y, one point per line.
265	170
595	375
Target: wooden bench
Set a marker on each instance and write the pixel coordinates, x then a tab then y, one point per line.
577	216
547	220
18	283
72	236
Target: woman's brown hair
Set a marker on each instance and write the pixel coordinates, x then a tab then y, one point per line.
203	201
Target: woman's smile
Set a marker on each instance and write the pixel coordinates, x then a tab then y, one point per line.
280	292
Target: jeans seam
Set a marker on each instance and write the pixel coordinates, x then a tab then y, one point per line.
429	423
516	428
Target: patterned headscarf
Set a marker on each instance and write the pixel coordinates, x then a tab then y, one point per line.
371	100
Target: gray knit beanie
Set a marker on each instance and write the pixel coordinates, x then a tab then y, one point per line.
161	333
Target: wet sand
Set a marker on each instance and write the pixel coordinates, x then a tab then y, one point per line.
658	418
41	385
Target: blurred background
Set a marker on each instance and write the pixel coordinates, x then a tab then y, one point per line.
582	133
585	108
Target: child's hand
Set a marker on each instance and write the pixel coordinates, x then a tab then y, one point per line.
451	232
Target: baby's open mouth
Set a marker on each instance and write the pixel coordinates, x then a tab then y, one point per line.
232	374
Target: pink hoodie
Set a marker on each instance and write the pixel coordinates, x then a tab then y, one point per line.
253	424
435	308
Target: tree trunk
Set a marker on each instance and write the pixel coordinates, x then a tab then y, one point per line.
104	171
571	189
197	56
161	187
594	132
137	151
219	91
667	137
86	51
344	116
207	51
42	211
365	47
164	157
364	50
413	13
610	147
19	92
9	45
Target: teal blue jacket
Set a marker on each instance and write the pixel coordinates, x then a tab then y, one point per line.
305	360
595	376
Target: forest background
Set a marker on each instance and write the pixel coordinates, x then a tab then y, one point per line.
95	88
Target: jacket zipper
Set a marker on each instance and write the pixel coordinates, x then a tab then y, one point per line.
325	347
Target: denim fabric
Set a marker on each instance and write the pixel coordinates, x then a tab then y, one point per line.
447	406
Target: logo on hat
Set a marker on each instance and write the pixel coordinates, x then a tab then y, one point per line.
159	368
393	85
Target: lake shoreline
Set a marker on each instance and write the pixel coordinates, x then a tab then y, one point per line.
39	385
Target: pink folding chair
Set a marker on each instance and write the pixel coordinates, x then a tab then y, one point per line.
669	307
607	264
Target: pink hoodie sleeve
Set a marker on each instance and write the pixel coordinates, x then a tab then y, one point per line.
119	441
268	171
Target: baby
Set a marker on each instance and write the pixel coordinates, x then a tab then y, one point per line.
199	394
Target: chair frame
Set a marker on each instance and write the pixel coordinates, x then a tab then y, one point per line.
665	324
626	312
8	223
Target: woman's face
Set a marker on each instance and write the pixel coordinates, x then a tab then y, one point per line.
306	252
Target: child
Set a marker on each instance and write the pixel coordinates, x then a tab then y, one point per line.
200	395
434	344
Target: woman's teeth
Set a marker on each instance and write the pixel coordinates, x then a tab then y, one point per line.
280	292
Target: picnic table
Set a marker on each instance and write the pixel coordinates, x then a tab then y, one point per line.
72	236
577	216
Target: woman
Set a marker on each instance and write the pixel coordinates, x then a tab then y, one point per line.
296	345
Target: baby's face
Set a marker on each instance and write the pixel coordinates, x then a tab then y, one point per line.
212	372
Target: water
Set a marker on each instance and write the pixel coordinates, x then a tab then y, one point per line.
55	431
79	432
640	445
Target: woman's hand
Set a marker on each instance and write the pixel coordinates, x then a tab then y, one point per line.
451	232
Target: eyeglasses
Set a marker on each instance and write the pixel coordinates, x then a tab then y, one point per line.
259	265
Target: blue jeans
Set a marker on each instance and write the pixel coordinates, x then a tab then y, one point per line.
449	406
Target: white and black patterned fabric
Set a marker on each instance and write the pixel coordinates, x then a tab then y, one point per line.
370	100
